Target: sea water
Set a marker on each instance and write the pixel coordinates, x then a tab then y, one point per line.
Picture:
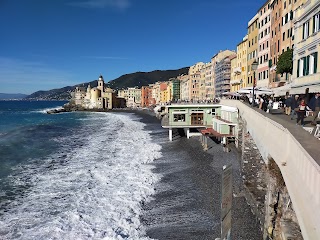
73	175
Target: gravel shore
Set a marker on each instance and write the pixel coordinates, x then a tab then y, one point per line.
187	200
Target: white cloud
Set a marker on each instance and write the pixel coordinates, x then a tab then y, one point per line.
28	77
118	4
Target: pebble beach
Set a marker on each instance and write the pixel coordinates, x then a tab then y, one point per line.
186	203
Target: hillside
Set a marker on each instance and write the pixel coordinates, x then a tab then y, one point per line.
7	96
137	79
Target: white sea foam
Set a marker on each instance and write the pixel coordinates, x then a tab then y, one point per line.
97	190
48	109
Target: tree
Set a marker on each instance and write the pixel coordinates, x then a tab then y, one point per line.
284	64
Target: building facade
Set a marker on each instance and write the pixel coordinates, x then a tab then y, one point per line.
98	97
223	75
253	32
242	56
306	62
264	23
275	43
235	75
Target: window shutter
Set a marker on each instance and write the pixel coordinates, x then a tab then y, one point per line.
303	30
304	66
298	67
313	23
315	62
307	65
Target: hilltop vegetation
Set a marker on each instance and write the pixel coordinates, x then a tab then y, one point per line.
137	79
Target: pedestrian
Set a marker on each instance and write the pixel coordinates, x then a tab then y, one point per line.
315	106
301	111
294	105
287	103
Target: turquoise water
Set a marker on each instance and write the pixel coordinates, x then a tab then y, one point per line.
72	175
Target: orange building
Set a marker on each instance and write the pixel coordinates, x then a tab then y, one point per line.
275	42
146	97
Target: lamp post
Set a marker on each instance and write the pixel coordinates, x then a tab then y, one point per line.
254	67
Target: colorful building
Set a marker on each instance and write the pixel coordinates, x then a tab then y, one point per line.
275	42
253	32
235	75
264	23
242	54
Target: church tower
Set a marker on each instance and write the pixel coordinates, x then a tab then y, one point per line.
100	83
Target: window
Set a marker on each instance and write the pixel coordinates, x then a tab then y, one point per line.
179	117
284	5
305	30
283	36
316	23
313	63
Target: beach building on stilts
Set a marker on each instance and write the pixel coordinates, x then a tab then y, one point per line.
205	120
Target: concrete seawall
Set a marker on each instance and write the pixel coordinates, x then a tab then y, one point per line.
298	168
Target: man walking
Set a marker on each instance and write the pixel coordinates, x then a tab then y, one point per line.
288	105
294	104
315	106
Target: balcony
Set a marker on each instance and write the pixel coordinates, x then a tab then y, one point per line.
237	70
235	82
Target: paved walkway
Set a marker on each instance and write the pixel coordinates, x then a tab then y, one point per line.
307	140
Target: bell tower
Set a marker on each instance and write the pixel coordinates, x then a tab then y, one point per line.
100	83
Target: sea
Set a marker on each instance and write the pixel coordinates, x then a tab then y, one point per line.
78	175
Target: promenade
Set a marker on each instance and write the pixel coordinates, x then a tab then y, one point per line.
310	143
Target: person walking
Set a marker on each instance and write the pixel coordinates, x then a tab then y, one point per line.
315	106
301	112
288	102
294	105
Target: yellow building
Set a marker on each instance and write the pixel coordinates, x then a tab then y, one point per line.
194	80
306	62
235	75
209	85
239	66
202	84
253	32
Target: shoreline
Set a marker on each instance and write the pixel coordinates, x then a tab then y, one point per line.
186	203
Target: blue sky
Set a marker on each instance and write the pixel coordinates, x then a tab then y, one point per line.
52	44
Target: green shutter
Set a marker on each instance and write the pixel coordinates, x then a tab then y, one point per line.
298	68
307	65
304	66
315	62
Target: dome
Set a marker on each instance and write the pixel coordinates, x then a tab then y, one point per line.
100	77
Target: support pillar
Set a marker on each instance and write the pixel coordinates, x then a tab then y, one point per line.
205	147
170	134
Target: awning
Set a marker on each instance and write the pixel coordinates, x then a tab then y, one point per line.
302	89
281	91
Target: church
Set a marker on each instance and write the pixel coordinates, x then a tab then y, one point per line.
95	98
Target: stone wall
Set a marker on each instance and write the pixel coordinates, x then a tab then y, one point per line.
265	191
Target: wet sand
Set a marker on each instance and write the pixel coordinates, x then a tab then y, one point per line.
187	200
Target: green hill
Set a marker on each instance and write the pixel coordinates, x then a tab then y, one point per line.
137	79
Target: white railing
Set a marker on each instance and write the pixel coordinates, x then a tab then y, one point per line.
300	171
